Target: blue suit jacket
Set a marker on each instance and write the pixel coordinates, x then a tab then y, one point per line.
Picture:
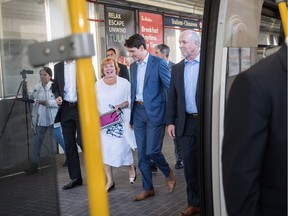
157	79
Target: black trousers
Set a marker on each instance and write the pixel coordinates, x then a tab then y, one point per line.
72	136
188	144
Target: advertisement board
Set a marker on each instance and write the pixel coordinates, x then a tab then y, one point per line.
119	25
151	28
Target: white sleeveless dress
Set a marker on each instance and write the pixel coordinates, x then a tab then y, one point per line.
117	141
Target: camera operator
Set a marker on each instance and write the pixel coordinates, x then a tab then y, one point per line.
43	115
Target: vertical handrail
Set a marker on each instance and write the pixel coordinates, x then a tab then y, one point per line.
89	119
282	6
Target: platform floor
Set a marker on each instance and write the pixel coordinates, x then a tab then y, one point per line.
74	202
15	199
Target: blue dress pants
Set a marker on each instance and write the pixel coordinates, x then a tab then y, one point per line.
149	139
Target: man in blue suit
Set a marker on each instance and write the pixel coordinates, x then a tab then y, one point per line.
150	77
163	51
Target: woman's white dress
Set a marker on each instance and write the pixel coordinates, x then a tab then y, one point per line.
118	140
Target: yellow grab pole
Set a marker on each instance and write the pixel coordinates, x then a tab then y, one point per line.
282	6
89	119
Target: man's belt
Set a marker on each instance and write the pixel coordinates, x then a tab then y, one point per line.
70	103
192	115
139	102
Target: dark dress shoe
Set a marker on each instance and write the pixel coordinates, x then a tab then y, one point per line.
32	170
153	167
65	164
179	165
111	187
190	211
73	183
143	195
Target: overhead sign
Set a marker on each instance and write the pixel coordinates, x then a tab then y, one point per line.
120	25
151	28
182	23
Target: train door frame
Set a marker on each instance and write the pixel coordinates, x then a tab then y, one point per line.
206	75
230	28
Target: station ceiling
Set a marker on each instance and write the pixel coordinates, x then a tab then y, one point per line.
195	7
183	7
186	6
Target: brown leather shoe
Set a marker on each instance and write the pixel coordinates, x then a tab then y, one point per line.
143	195
171	181
190	211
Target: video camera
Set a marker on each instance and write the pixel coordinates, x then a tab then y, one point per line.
24	72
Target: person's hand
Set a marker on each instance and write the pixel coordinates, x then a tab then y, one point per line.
59	100
171	131
36	102
117	107
42	102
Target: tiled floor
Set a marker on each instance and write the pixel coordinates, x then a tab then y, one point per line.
23	194
29	195
74	202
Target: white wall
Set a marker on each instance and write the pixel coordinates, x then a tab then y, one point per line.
59	19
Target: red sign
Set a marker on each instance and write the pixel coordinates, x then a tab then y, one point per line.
151	28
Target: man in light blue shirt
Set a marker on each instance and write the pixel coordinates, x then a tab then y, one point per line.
149	78
182	113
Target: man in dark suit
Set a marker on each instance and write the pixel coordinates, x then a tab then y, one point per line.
65	91
182	117
111	53
149	76
254	154
163	51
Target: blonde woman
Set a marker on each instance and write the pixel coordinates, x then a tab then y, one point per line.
113	94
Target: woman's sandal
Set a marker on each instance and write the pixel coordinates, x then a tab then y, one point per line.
111	187
133	179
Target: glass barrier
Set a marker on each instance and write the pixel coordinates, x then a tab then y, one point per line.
25	189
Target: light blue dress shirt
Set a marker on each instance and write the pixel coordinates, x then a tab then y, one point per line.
141	70
191	72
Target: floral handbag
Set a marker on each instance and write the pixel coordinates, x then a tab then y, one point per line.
110	118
